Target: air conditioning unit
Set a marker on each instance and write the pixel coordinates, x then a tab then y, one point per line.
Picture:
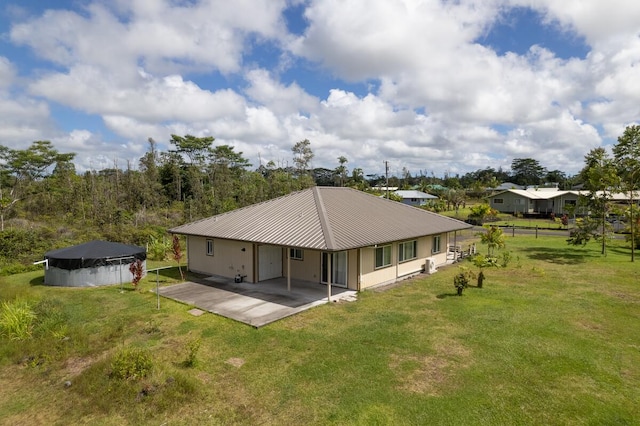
430	265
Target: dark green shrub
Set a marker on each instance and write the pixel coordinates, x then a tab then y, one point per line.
460	282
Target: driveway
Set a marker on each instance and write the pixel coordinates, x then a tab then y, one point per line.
254	304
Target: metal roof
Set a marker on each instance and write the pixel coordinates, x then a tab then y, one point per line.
323	218
549	193
412	193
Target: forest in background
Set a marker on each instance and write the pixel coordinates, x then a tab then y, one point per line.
46	204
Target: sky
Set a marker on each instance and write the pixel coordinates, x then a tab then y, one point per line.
433	87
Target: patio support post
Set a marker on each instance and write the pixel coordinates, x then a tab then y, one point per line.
288	269
455	246
329	273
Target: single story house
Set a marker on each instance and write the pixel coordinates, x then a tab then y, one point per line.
414	197
329	235
507	185
544	201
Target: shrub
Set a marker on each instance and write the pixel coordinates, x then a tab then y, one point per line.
192	353
131	364
157	249
16	320
506	259
460	282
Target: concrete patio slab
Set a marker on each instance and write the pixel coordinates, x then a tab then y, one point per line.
254	304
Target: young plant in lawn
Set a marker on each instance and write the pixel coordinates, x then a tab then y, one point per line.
177	253
493	237
481	261
16	320
136	269
461	280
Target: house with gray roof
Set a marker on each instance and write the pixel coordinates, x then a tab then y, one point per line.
414	197
535	201
326	235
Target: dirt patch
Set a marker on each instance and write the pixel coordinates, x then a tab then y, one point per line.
431	374
588	325
236	362
76	365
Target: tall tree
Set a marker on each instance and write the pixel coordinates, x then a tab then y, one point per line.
302	156
601	180
193	147
24	167
226	170
627	159
341	171
527	171
152	188
196	149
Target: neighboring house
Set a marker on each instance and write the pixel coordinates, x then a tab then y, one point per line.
414	197
542	201
340	236
507	185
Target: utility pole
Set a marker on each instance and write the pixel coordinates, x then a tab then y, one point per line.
386	173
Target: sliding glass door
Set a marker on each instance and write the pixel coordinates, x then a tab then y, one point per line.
338	268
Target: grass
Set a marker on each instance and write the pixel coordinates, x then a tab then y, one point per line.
552	339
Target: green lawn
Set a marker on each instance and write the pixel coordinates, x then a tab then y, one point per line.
554	338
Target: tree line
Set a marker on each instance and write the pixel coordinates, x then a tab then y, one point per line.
45	203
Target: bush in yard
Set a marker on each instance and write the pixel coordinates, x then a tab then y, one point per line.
16	320
192	353
460	282
131	364
157	248
136	269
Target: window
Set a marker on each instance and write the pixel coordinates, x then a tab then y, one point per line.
407	250
498	201
570	202
383	256
518	201
209	247
436	244
295	254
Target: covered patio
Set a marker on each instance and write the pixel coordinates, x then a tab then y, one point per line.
254	304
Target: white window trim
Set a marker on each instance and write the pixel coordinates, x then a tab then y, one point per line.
209	247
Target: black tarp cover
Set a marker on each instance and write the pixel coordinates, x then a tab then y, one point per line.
93	254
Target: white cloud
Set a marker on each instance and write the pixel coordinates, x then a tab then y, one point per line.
170	98
438	100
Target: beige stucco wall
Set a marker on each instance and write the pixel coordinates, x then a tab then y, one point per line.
307	269
371	276
228	259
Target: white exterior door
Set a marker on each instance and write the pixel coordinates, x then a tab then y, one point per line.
269	262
